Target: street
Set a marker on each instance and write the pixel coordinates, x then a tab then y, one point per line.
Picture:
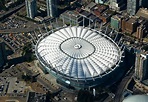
122	86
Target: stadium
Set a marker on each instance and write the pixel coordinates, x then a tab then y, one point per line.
80	57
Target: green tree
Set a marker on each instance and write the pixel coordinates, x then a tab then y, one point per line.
27	52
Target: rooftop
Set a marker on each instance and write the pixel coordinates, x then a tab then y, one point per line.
99	8
36	97
107	13
92	17
118	17
71	13
85	13
143	12
90	6
132	20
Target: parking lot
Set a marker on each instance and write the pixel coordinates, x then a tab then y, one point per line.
15	41
3	85
12	22
12	99
10	85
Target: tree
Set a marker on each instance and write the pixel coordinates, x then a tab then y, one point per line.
27	52
26	77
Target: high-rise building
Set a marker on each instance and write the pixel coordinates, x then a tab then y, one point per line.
144	3
142	12
141	66
3	56
131	25
117	4
132	6
116	22
142	30
31	8
52	8
123	23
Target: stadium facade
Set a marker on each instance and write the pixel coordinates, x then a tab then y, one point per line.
80	57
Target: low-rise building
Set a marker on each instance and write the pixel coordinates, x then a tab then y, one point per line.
90	6
98	9
89	17
39	19
84	13
71	17
106	16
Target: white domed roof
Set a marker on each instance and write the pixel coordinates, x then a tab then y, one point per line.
79	52
136	98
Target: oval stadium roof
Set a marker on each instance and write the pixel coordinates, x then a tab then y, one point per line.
136	98
79	52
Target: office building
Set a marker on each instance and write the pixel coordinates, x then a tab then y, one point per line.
132	6
144	3
52	9
117	4
142	29
71	17
142	12
3	56
131	25
123	23
90	6
99	9
116	22
106	15
141	66
89	18
31	8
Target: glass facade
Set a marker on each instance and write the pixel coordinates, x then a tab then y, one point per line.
31	8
